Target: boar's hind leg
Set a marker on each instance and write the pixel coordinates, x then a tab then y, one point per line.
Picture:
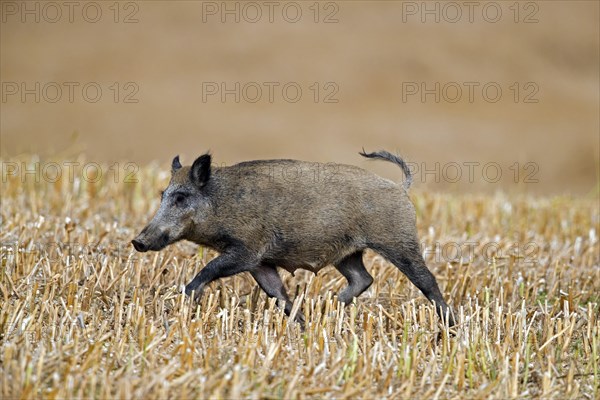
269	280
408	259
358	277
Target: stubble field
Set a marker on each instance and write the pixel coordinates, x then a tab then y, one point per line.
84	316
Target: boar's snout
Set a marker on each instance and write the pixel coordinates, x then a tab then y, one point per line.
151	239
139	245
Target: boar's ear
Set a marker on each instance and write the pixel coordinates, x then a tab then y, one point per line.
200	172
175	165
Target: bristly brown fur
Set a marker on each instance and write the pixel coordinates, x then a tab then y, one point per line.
265	214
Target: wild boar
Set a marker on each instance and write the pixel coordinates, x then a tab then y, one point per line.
260	215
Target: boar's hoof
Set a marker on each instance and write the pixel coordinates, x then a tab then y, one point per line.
194	292
300	319
345	298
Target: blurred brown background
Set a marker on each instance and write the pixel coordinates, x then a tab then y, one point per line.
369	57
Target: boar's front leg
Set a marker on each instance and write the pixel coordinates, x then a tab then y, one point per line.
270	282
227	264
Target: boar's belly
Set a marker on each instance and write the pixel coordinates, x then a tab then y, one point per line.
293	265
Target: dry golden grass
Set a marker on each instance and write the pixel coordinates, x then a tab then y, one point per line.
83	315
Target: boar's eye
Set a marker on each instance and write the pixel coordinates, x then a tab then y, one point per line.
180	197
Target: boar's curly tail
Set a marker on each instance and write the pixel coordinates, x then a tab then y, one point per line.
384	155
